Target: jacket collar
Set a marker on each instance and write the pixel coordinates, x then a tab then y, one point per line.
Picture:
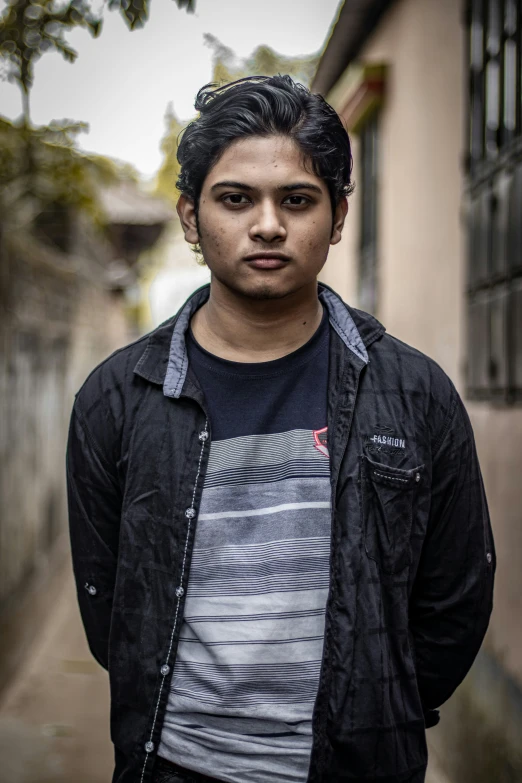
165	359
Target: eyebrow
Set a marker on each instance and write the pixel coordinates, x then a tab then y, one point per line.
285	188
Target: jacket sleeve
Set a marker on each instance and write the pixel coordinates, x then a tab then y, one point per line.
94	503
452	595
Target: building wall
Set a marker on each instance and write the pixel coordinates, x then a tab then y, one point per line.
422	250
55	326
498	433
421	132
340	270
177	275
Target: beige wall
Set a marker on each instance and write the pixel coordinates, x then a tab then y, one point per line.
498	433
341	268
419	193
421	258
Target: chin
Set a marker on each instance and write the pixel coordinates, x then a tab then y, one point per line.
258	290
266	291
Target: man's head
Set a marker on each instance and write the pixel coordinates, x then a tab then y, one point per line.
265	169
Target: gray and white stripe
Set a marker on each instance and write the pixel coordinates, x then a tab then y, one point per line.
252	638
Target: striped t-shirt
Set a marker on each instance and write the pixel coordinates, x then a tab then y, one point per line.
247	668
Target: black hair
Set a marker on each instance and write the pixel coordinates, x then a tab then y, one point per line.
262	106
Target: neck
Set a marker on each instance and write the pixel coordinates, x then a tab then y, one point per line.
241	329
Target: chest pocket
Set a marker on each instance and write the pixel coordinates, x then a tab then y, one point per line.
388	498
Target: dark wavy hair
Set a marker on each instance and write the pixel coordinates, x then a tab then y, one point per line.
262	106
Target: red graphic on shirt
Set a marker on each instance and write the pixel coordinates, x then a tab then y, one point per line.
321	441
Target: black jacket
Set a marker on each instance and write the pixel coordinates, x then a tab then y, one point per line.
412	558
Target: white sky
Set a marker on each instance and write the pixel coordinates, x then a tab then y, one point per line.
122	82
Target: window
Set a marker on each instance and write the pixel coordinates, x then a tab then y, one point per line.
368	185
494	200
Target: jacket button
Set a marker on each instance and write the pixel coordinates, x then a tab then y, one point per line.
203	436
489	557
165	669
91	589
190	513
417	477
179	591
149	746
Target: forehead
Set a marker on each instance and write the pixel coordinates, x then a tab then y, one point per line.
263	161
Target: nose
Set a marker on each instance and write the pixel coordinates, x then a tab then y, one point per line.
268	224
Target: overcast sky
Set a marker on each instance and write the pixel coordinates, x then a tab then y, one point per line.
122	82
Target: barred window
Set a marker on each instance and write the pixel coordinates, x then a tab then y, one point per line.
494	200
368	184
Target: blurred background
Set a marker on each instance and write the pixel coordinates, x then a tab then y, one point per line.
92	99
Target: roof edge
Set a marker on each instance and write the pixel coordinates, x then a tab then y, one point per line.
355	22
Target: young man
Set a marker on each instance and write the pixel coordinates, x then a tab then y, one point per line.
279	531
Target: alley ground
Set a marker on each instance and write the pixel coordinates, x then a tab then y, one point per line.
54	716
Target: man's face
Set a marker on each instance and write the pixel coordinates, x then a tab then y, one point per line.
265	222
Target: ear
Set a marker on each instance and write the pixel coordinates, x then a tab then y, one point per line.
187	215
339	217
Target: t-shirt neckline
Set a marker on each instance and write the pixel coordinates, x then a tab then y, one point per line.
283	364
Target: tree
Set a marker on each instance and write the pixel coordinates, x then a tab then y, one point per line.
29	28
169	170
40	165
263	61
54	173
136	12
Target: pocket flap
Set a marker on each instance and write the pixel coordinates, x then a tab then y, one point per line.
391	476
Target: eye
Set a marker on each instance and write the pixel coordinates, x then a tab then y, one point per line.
235	199
296	201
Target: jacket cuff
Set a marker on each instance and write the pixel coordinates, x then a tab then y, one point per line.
431	718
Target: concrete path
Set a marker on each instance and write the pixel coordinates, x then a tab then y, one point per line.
54	717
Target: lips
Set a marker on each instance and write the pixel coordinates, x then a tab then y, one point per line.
267	260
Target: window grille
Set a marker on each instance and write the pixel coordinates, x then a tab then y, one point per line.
494	200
